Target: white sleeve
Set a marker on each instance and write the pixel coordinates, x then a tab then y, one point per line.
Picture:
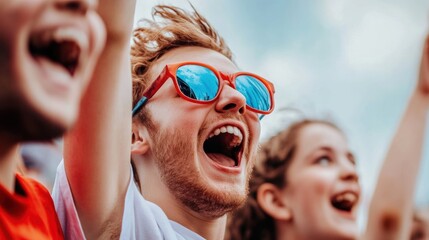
145	220
64	205
141	219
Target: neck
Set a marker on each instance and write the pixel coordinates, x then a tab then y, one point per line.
154	190
287	231
9	159
205	227
208	228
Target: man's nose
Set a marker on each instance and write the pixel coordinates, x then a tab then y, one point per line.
231	100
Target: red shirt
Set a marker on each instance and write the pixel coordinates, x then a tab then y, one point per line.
28	213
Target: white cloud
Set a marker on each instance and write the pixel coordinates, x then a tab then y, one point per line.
289	75
379	39
335	12
292	78
376	36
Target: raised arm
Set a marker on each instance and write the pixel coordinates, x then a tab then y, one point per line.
392	203
97	151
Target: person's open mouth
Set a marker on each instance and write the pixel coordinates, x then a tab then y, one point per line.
61	47
345	202
224	146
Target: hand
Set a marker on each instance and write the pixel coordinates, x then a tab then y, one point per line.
118	16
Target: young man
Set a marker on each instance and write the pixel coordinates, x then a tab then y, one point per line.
48	49
195	133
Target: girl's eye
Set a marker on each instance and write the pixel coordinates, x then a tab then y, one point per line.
323	161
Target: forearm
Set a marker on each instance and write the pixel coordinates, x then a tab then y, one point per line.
392	204
97	151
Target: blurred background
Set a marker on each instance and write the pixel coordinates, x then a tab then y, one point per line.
354	62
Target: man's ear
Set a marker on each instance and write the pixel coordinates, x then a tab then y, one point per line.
139	144
272	202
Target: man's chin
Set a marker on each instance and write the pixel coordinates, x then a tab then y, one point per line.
211	202
210	198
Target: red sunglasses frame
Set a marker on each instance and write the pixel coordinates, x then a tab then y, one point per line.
169	71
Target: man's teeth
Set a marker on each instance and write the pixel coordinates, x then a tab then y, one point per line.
238	136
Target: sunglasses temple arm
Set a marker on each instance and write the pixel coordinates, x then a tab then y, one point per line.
261	116
139	105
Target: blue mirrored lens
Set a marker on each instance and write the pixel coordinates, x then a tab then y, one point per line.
197	82
256	93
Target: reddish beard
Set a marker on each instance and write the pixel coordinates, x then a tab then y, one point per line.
175	154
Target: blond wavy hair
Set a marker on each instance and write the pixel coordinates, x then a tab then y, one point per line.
171	28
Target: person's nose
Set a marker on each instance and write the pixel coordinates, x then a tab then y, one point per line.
231	100
348	171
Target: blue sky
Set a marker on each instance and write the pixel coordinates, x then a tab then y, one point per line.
352	61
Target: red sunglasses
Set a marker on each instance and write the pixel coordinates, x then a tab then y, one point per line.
201	83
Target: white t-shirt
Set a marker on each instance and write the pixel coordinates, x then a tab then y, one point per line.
141	219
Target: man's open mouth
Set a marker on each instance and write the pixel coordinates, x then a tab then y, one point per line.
225	146
345	201
61	46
